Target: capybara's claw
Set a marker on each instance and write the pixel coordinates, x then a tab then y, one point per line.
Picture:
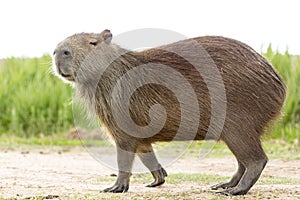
217	186
223	192
233	191
221	185
159	177
156	183
117	188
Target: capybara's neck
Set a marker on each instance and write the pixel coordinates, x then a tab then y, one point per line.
100	72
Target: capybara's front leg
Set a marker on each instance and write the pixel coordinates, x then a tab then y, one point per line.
149	159
125	161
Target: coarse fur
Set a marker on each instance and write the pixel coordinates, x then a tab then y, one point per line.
255	94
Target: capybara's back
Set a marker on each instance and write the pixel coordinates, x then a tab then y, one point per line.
255	93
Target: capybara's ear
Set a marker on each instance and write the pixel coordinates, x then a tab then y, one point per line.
106	36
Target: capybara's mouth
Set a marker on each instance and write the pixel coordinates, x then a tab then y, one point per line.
67	77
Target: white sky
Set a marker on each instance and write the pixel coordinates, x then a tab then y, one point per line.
34	27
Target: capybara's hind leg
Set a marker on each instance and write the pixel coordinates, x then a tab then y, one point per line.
149	159
233	181
252	173
248	151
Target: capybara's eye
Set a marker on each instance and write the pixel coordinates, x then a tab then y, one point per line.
94	43
54	53
67	53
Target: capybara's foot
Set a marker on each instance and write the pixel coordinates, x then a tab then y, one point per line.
222	185
234	180
225	185
121	185
117	188
233	191
159	177
156	183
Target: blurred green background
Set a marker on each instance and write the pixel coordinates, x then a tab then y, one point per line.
34	103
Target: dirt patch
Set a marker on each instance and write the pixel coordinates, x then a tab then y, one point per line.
77	175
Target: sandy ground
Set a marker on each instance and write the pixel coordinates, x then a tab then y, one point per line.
75	174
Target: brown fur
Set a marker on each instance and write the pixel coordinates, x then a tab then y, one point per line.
255	94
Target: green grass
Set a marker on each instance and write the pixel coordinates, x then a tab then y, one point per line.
178	178
34	102
60	140
275	148
288	67
201	179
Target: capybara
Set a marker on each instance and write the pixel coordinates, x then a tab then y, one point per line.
162	92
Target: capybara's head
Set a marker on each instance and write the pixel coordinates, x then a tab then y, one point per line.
71	52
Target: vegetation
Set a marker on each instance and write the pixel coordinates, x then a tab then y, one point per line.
34	102
288	67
